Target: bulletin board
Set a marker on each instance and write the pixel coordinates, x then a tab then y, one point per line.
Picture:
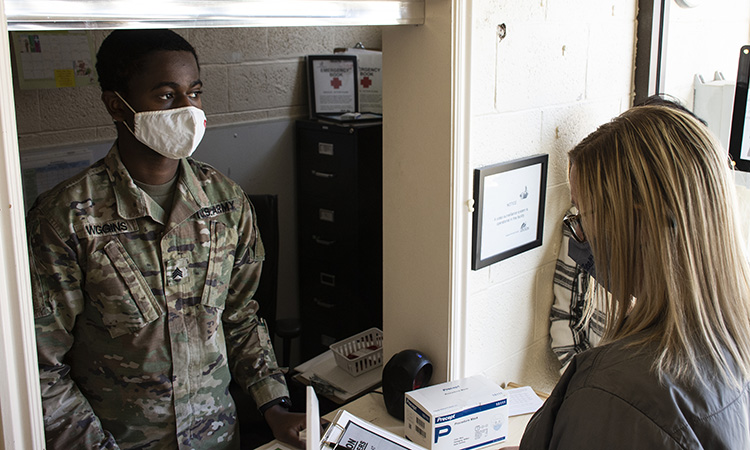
42	170
53	59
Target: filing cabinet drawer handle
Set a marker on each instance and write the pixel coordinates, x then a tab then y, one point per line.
323	304
326	215
327	279
320	241
322	174
325	148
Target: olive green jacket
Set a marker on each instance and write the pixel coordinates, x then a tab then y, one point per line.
610	398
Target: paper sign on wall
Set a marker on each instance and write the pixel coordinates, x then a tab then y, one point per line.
53	59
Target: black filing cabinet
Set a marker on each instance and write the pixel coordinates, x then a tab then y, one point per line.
340	210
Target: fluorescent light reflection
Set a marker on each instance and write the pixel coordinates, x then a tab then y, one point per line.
71	14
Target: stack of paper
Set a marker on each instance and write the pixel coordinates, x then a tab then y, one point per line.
322	370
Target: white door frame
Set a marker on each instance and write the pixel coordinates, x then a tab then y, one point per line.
461	207
20	399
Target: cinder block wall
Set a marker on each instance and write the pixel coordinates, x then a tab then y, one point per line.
250	75
561	69
544	75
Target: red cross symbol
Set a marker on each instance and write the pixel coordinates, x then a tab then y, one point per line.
336	83
366	82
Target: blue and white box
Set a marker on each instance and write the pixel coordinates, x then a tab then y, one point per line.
457	415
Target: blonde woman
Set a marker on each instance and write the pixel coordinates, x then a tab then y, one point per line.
656	203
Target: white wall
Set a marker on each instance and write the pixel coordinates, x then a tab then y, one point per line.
562	69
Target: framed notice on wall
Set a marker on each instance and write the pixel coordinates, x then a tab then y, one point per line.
509	201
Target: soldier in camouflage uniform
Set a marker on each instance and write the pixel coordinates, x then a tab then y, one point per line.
143	270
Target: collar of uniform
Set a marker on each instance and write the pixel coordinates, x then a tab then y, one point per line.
192	184
189	195
131	201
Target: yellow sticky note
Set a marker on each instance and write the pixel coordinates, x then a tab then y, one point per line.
65	78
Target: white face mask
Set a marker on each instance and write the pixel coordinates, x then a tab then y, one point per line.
172	133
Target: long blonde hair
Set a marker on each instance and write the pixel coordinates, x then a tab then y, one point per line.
657	201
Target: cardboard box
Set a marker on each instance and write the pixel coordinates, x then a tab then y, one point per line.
457	415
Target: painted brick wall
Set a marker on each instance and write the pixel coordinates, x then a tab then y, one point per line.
544	75
561	69
250	74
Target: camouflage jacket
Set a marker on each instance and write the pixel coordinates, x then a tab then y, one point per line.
141	317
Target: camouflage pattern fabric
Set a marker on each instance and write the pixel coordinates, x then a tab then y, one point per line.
140	317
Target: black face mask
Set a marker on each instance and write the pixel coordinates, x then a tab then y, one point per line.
580	252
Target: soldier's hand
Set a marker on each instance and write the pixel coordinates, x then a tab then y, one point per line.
286	425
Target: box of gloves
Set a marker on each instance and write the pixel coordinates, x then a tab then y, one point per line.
456	415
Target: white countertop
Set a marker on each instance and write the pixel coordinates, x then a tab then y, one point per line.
371	408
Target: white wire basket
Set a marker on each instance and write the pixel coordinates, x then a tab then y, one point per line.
360	353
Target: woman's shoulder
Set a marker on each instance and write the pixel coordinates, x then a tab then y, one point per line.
599	403
614	364
620	377
620	371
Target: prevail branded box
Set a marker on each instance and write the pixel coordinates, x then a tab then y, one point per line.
457	415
